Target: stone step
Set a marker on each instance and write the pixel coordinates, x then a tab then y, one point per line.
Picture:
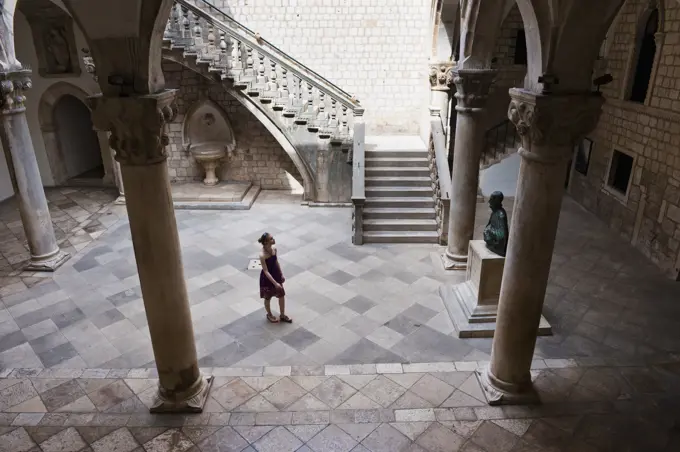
391	171
398	181
410	162
401	237
411	202
400	225
396	153
398	191
396	213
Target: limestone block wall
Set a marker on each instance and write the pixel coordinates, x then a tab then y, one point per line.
377	51
258	157
649	216
509	74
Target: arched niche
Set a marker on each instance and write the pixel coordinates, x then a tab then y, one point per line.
644	56
206	122
49	126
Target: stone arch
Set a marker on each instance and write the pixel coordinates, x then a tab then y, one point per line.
48	127
308	181
654	9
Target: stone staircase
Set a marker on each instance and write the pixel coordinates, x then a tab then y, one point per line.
501	141
317	118
399	205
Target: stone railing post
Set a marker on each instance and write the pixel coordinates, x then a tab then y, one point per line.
549	126
137	126
472	90
358	177
25	175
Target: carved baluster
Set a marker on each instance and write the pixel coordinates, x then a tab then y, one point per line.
223	58
310	98
322	107
299	92
273	83
334	113
283	89
210	50
261	77
198	34
186	24
344	128
235	54
249	61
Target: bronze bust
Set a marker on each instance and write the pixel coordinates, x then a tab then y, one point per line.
496	230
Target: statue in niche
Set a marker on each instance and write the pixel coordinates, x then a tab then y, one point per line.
496	231
8	59
58	52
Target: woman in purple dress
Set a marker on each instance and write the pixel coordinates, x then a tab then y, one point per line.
271	279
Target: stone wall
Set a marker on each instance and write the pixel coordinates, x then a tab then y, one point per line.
258	157
377	51
649	216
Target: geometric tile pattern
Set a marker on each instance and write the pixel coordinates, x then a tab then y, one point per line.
343	408
351	305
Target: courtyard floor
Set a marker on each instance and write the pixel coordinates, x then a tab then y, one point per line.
368	364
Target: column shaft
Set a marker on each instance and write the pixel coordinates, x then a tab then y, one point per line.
23	168
549	125
472	88
137	135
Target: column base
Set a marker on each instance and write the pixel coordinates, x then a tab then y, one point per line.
120	201
498	392
192	401
50	264
454	261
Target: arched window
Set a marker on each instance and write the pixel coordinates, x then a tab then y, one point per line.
645	58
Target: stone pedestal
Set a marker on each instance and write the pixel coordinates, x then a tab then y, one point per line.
473	305
25	175
472	90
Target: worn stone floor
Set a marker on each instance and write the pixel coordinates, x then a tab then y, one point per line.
368	365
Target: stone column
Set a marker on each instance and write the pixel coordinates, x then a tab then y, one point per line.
107	157
137	136
118	176
472	90
549	126
441	79
25	175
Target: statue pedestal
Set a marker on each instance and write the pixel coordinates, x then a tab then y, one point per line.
472	305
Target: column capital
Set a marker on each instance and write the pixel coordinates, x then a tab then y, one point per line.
546	122
472	88
13	84
137	125
441	75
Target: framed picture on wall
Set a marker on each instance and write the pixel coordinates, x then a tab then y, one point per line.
582	155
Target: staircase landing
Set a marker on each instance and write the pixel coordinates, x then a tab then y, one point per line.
399	198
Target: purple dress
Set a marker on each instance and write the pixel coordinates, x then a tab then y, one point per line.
267	289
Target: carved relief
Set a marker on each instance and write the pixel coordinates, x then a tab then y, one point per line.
472	88
53	36
441	76
137	125
553	120
12	87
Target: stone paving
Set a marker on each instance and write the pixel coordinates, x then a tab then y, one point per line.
436	407
351	305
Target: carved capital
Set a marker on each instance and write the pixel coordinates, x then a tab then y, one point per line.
12	88
137	125
441	75
472	88
546	122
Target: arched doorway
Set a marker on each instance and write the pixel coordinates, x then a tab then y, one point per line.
82	158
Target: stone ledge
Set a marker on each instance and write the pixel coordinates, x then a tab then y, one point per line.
330	370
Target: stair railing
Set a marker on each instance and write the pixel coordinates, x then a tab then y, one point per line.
358	181
439	173
497	141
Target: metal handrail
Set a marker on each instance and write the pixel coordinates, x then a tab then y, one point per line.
271	51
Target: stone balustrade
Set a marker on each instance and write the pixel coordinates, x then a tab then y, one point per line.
440	174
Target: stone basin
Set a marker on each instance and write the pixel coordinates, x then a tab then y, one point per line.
209	156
